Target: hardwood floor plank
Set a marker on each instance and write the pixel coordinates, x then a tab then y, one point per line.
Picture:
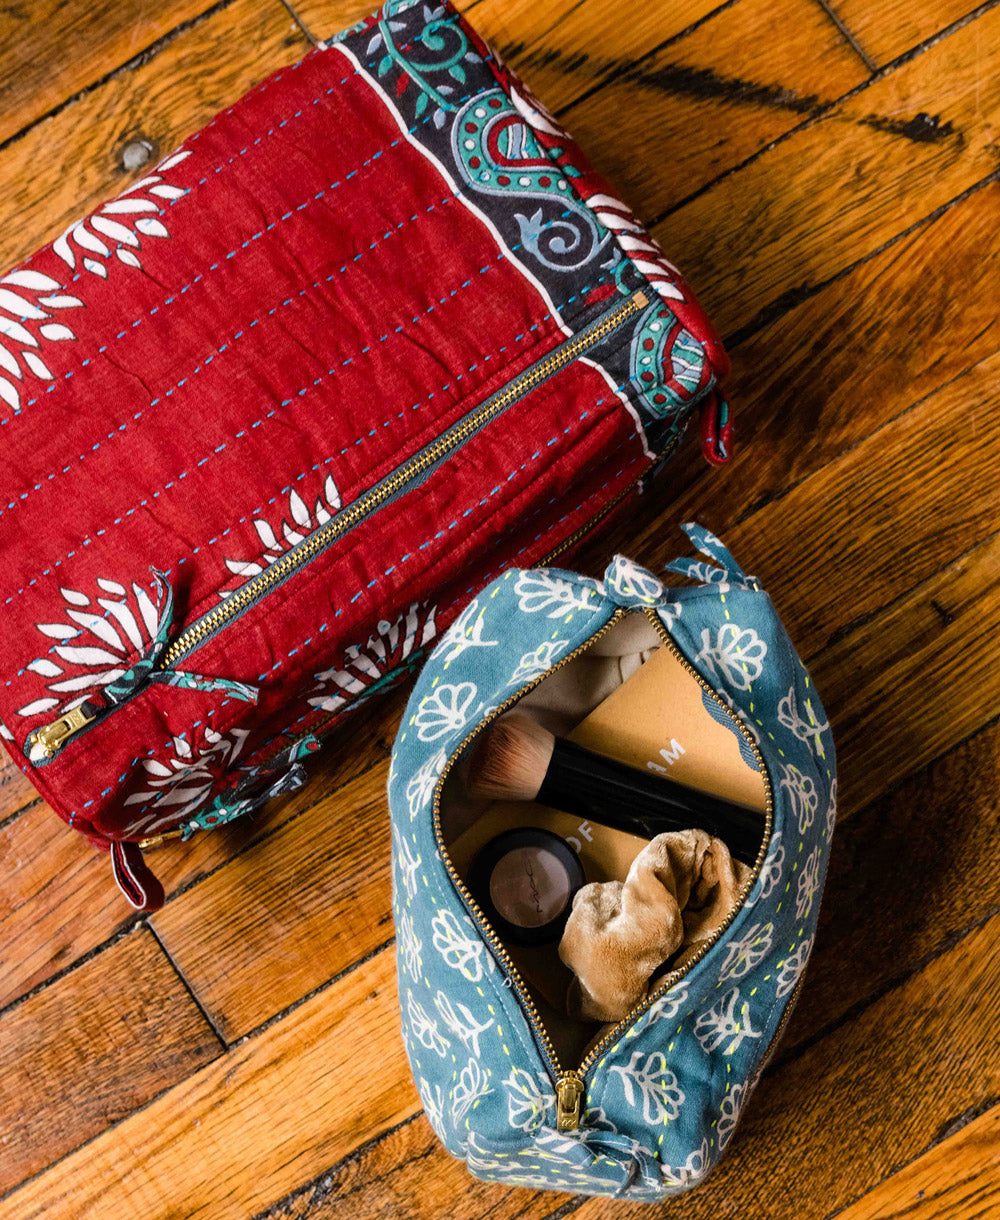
886	515
928	498
59	900
942	823
314	879
328	896
865	501
908	684
797	386
287	915
244	1131
409	1174
826	1125
56	902
888	28
897	283
80	1055
843	362
562	49
704	104
16	791
63	167
841	1083
836	190
51	49
958	1179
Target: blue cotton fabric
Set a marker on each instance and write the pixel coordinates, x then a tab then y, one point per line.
662	1103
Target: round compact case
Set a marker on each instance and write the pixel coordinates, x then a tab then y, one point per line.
641	1108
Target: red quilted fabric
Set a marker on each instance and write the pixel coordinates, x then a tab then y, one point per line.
216	364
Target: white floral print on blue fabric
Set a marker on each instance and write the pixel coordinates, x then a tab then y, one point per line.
663	1101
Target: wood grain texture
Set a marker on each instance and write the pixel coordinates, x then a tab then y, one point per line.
865	381
943	825
889	28
892	543
95	1046
925	654
51	49
880	923
65	166
313	882
558	47
296	910
850	1109
708	101
847	359
242	1132
58	901
836	190
16	792
408	1173
958	1180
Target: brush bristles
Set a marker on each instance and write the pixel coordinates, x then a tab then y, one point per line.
511	759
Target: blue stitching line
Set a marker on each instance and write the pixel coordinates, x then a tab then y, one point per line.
273	80
386	423
323	627
256	322
201	275
238	335
59	643
479	585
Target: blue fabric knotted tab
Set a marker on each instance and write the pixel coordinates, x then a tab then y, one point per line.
262	784
143	672
730	573
630	585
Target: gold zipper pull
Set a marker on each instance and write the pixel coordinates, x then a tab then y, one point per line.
639	299
569	1092
160	839
51	738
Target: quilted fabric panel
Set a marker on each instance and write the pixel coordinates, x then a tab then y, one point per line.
204	373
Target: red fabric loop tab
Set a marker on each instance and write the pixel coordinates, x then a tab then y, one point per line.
134	878
717	431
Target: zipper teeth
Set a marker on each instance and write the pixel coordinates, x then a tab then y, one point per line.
786	1016
543	562
371	499
572	540
484	924
676	975
490	935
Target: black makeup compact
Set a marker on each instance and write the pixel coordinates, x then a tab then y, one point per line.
524	881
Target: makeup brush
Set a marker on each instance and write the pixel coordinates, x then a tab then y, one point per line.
519	760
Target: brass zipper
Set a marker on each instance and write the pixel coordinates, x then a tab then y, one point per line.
366	503
570	1084
158	839
779	1033
50	738
164	836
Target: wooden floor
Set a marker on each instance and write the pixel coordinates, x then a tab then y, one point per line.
829	180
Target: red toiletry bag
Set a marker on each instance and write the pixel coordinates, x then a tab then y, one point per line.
273	414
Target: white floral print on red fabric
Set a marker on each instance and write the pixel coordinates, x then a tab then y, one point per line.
118	226
178	785
94	642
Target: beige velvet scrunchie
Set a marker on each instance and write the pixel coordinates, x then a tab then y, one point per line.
679	889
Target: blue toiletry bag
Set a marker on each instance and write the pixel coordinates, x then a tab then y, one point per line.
649	1107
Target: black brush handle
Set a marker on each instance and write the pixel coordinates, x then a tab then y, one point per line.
612	793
